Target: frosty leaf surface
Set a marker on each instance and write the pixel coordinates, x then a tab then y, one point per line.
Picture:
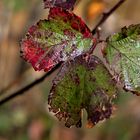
82	83
64	4
123	55
63	36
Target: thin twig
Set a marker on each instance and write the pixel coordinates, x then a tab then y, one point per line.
106	15
14	82
26	88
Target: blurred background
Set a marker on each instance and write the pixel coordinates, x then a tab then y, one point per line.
26	117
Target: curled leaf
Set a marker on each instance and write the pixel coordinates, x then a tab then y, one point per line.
123	55
63	36
64	4
83	82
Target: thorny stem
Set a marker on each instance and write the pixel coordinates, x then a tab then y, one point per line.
103	19
41	79
106	15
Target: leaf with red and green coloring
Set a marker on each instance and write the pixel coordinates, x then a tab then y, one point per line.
82	83
69	18
64	4
63	36
123	54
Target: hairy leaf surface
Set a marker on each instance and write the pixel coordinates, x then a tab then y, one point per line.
83	82
65	4
61	37
123	55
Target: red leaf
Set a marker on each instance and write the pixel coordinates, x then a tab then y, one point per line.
63	36
76	22
33	53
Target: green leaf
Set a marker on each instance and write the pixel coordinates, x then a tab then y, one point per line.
83	82
123	55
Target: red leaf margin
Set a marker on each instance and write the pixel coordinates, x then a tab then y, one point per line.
31	50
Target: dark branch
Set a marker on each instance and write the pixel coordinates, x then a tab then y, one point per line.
106	15
26	88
